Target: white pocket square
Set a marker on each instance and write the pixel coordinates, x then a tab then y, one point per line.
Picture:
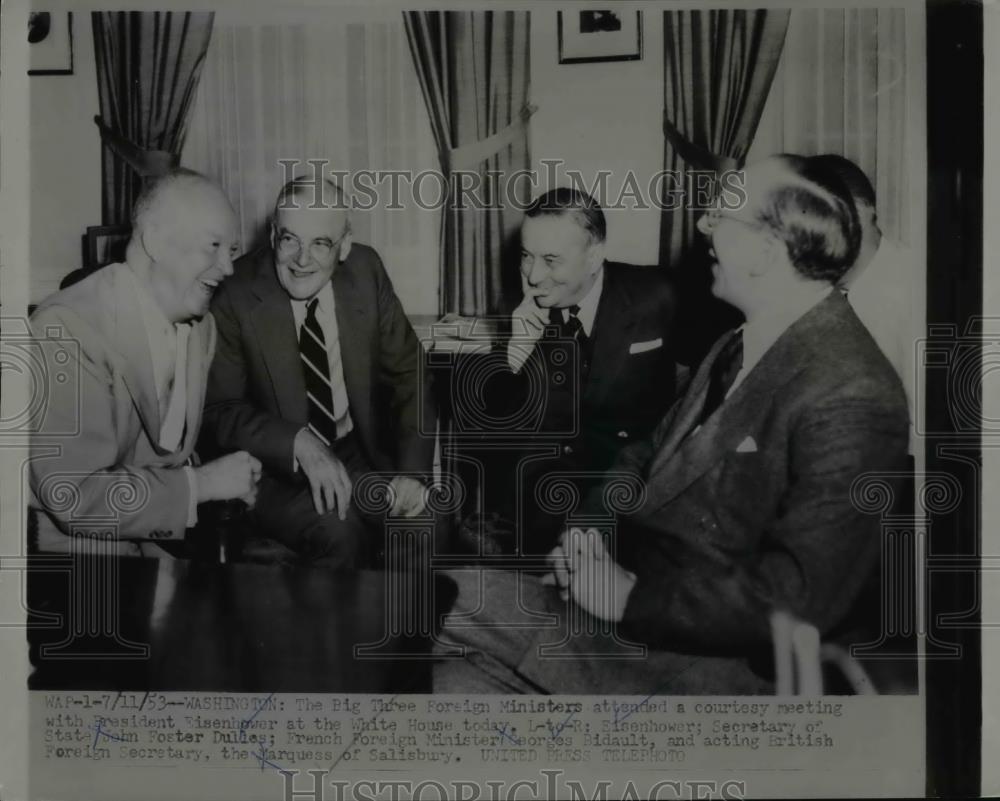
749	445
642	347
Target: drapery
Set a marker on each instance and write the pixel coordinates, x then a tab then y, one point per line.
148	66
841	87
343	94
718	68
474	72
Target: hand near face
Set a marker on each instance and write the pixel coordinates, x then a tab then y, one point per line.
524	336
584	571
328	479
409	497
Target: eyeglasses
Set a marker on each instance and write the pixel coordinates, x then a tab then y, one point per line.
708	221
290	246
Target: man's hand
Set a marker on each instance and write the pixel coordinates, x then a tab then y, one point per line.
535	319
409	497
584	570
328	479
230	477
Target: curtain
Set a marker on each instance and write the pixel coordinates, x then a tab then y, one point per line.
474	72
343	94
718	68
841	87
148	65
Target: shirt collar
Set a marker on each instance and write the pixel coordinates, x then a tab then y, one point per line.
325	298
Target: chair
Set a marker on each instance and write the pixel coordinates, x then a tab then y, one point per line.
799	657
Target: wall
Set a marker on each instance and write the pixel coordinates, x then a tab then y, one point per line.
592	116
65	175
603	116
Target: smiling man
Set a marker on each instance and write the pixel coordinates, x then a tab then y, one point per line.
590	363
750	502
317	375
134	342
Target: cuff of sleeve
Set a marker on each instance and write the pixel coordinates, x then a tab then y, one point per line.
192	517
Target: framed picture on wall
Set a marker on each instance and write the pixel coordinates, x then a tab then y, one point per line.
611	35
50	43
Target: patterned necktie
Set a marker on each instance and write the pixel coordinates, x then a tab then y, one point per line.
723	373
316	371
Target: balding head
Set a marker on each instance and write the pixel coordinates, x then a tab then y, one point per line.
310	193
175	198
797	229
807	207
183	241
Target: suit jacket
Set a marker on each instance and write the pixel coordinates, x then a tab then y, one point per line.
630	381
96	459
256	398
754	511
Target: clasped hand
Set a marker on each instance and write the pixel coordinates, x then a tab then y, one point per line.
583	570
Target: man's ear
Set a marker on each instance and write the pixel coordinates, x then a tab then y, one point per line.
273	235
773	252
345	246
152	239
596	254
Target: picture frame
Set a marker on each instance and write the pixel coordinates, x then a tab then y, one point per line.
50	43
599	35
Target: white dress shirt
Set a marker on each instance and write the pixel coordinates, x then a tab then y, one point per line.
326	316
169	365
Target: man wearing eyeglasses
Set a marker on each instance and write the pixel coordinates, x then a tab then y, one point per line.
753	486
312	341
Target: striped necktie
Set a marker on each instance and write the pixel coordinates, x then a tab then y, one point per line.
316	371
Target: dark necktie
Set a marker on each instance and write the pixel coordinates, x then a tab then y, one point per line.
316	371
722	374
572	328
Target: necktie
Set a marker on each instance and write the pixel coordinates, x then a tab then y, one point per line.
172	430
316	371
723	373
572	328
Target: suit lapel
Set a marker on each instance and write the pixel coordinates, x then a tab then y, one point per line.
692	457
689	408
199	358
610	337
133	345
354	356
274	327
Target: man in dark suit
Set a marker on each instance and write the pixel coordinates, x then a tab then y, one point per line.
317	374
590	357
746	504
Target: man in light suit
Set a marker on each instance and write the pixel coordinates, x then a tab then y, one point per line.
317	375
747	502
133	343
591	354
